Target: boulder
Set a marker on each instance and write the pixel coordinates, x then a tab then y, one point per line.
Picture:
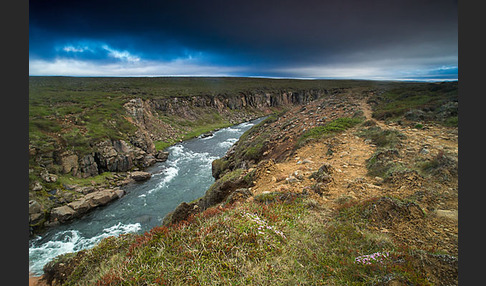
47	177
69	163
323	175
162	156
34	207
35	212
120	193
62	214
100	198
140	176
35	218
148	160
36	186
85	190
80	206
449	214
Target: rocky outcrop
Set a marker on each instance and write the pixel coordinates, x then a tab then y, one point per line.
140	176
47	177
181	212
62	213
162	156
185	106
69	162
87	167
217	193
36	213
82	205
109	155
137	150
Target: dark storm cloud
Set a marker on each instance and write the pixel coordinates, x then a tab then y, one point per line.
287	38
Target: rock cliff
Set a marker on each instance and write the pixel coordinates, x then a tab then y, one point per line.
162	119
139	150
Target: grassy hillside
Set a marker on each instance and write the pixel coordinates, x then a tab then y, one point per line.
278	241
75	112
419	102
359	201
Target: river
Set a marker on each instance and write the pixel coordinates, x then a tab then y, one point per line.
185	176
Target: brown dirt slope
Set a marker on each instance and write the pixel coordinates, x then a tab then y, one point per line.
426	177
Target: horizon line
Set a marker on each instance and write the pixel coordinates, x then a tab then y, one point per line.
257	77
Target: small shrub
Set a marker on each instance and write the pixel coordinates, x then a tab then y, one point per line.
442	166
452	121
382	138
218	167
329	129
268	197
381	162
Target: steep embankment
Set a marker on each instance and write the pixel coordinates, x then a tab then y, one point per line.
88	136
325	194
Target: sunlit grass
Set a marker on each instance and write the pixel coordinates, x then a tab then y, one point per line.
283	242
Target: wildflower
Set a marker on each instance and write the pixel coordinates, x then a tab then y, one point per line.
262	225
377	257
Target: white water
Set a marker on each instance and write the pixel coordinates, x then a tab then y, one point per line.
71	241
185	176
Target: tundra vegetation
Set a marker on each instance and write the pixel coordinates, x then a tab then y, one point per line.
374	202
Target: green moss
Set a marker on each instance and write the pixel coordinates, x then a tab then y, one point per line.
394	103
381	138
161	145
330	129
259	243
381	163
219	166
254	152
452	121
68	179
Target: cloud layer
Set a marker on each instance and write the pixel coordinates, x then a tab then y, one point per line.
316	39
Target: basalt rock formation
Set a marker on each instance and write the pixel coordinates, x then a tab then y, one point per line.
137	150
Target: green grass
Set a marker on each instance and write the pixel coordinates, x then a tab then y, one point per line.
269	243
452	121
188	129
381	138
161	145
175	86
198	130
330	129
81	116
67	179
395	102
382	161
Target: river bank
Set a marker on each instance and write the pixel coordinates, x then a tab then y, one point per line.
322	188
184	176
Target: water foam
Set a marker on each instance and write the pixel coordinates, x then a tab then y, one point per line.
228	143
169	174
231	129
245	125
70	241
41	252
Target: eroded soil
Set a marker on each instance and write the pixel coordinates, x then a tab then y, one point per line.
428	222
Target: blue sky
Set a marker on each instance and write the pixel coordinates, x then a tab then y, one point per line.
394	39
